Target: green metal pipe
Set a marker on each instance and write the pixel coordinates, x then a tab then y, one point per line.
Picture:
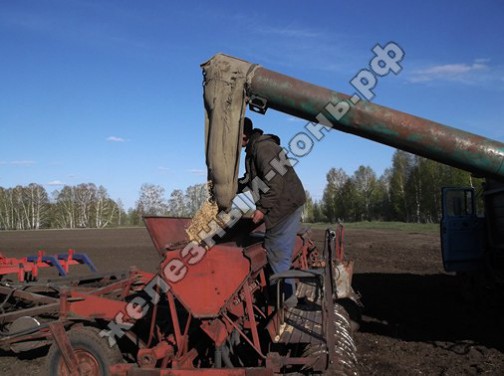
482	156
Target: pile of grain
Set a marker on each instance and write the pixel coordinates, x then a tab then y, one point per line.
201	220
207	219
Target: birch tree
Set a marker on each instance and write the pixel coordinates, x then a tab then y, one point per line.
38	202
152	200
194	197
105	209
65	207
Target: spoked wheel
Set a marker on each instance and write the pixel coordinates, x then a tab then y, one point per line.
93	353
344	359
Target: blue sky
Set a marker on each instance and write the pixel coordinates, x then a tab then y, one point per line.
109	92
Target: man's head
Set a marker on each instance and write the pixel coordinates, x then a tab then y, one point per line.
248	129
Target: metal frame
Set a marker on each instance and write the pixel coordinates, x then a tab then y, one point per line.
70	301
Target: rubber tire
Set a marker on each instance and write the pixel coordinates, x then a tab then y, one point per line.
89	340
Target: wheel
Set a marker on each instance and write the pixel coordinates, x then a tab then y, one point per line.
354	312
343	362
92	351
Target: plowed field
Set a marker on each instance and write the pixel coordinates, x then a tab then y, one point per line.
417	320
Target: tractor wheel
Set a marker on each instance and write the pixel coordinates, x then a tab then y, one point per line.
92	351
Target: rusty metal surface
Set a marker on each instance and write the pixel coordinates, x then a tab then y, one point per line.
423	137
166	232
204	282
257	256
148	357
218	295
129	370
216	330
34	311
91	306
63	342
26	295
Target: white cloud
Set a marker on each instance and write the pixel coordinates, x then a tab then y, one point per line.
450	72
293	119
162	168
21	163
115	139
198	172
482	60
55	183
294	45
452	68
289	32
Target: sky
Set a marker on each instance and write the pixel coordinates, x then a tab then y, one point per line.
110	92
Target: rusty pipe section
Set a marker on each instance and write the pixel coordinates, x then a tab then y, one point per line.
451	146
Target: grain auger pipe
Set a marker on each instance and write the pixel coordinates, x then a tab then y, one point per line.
231	83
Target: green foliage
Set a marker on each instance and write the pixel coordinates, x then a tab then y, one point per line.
186	204
381	225
152	201
308	212
81	206
333	197
409	191
399	176
23	208
84	206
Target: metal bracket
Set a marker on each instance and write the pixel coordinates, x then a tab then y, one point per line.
258	104
63	342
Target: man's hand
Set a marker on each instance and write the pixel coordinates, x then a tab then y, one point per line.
258	216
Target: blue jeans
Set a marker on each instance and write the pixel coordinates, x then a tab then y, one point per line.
279	242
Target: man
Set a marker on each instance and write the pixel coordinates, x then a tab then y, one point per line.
280	204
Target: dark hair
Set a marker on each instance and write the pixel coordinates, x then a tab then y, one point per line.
248	126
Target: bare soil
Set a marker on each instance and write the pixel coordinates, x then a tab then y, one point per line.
417	319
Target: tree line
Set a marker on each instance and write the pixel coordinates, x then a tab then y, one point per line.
86	205
81	206
408	191
153	201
